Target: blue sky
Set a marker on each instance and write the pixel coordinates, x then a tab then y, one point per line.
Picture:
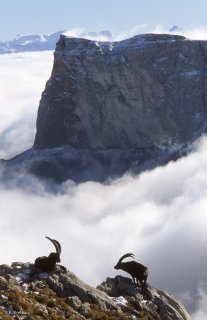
48	16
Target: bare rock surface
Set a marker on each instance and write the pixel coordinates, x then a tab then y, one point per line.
27	294
142	92
159	304
116	107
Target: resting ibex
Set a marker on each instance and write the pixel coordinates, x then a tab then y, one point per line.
47	264
137	270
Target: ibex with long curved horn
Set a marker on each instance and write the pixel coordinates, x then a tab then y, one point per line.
137	270
47	264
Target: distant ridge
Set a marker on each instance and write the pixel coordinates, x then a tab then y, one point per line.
32	42
43	42
35	42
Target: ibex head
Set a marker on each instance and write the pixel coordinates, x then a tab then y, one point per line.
119	263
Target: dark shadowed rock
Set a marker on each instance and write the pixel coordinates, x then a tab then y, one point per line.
146	91
113	107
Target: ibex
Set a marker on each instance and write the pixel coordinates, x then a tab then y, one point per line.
137	270
47	264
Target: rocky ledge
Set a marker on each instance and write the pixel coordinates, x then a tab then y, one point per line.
26	294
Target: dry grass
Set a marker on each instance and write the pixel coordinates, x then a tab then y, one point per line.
44	305
99	314
4	316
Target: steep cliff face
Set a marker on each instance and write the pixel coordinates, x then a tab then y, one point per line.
114	107
27	294
146	91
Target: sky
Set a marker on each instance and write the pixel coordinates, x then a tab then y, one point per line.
159	215
48	16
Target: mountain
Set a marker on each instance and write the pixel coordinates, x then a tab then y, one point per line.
115	107
35	42
27	294
30	43
175	29
143	92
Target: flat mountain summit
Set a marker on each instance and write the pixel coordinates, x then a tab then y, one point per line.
116	107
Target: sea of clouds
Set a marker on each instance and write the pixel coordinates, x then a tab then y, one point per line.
160	215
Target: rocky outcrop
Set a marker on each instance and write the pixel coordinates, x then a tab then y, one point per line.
26	294
113	107
154	303
146	91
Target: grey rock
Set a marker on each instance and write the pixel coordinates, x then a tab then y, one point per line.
142	92
68	284
160	304
168	307
85	308
115	296
74	302
115	287
115	107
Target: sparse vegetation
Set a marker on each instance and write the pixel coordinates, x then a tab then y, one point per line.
99	314
28	295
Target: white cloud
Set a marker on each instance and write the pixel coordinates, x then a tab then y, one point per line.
160	216
193	33
75	32
201	305
23	78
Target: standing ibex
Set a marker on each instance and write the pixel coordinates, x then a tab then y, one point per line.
47	264
137	270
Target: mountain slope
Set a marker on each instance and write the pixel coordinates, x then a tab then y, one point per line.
27	294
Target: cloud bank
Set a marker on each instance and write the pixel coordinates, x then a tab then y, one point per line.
193	33
23	77
159	215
